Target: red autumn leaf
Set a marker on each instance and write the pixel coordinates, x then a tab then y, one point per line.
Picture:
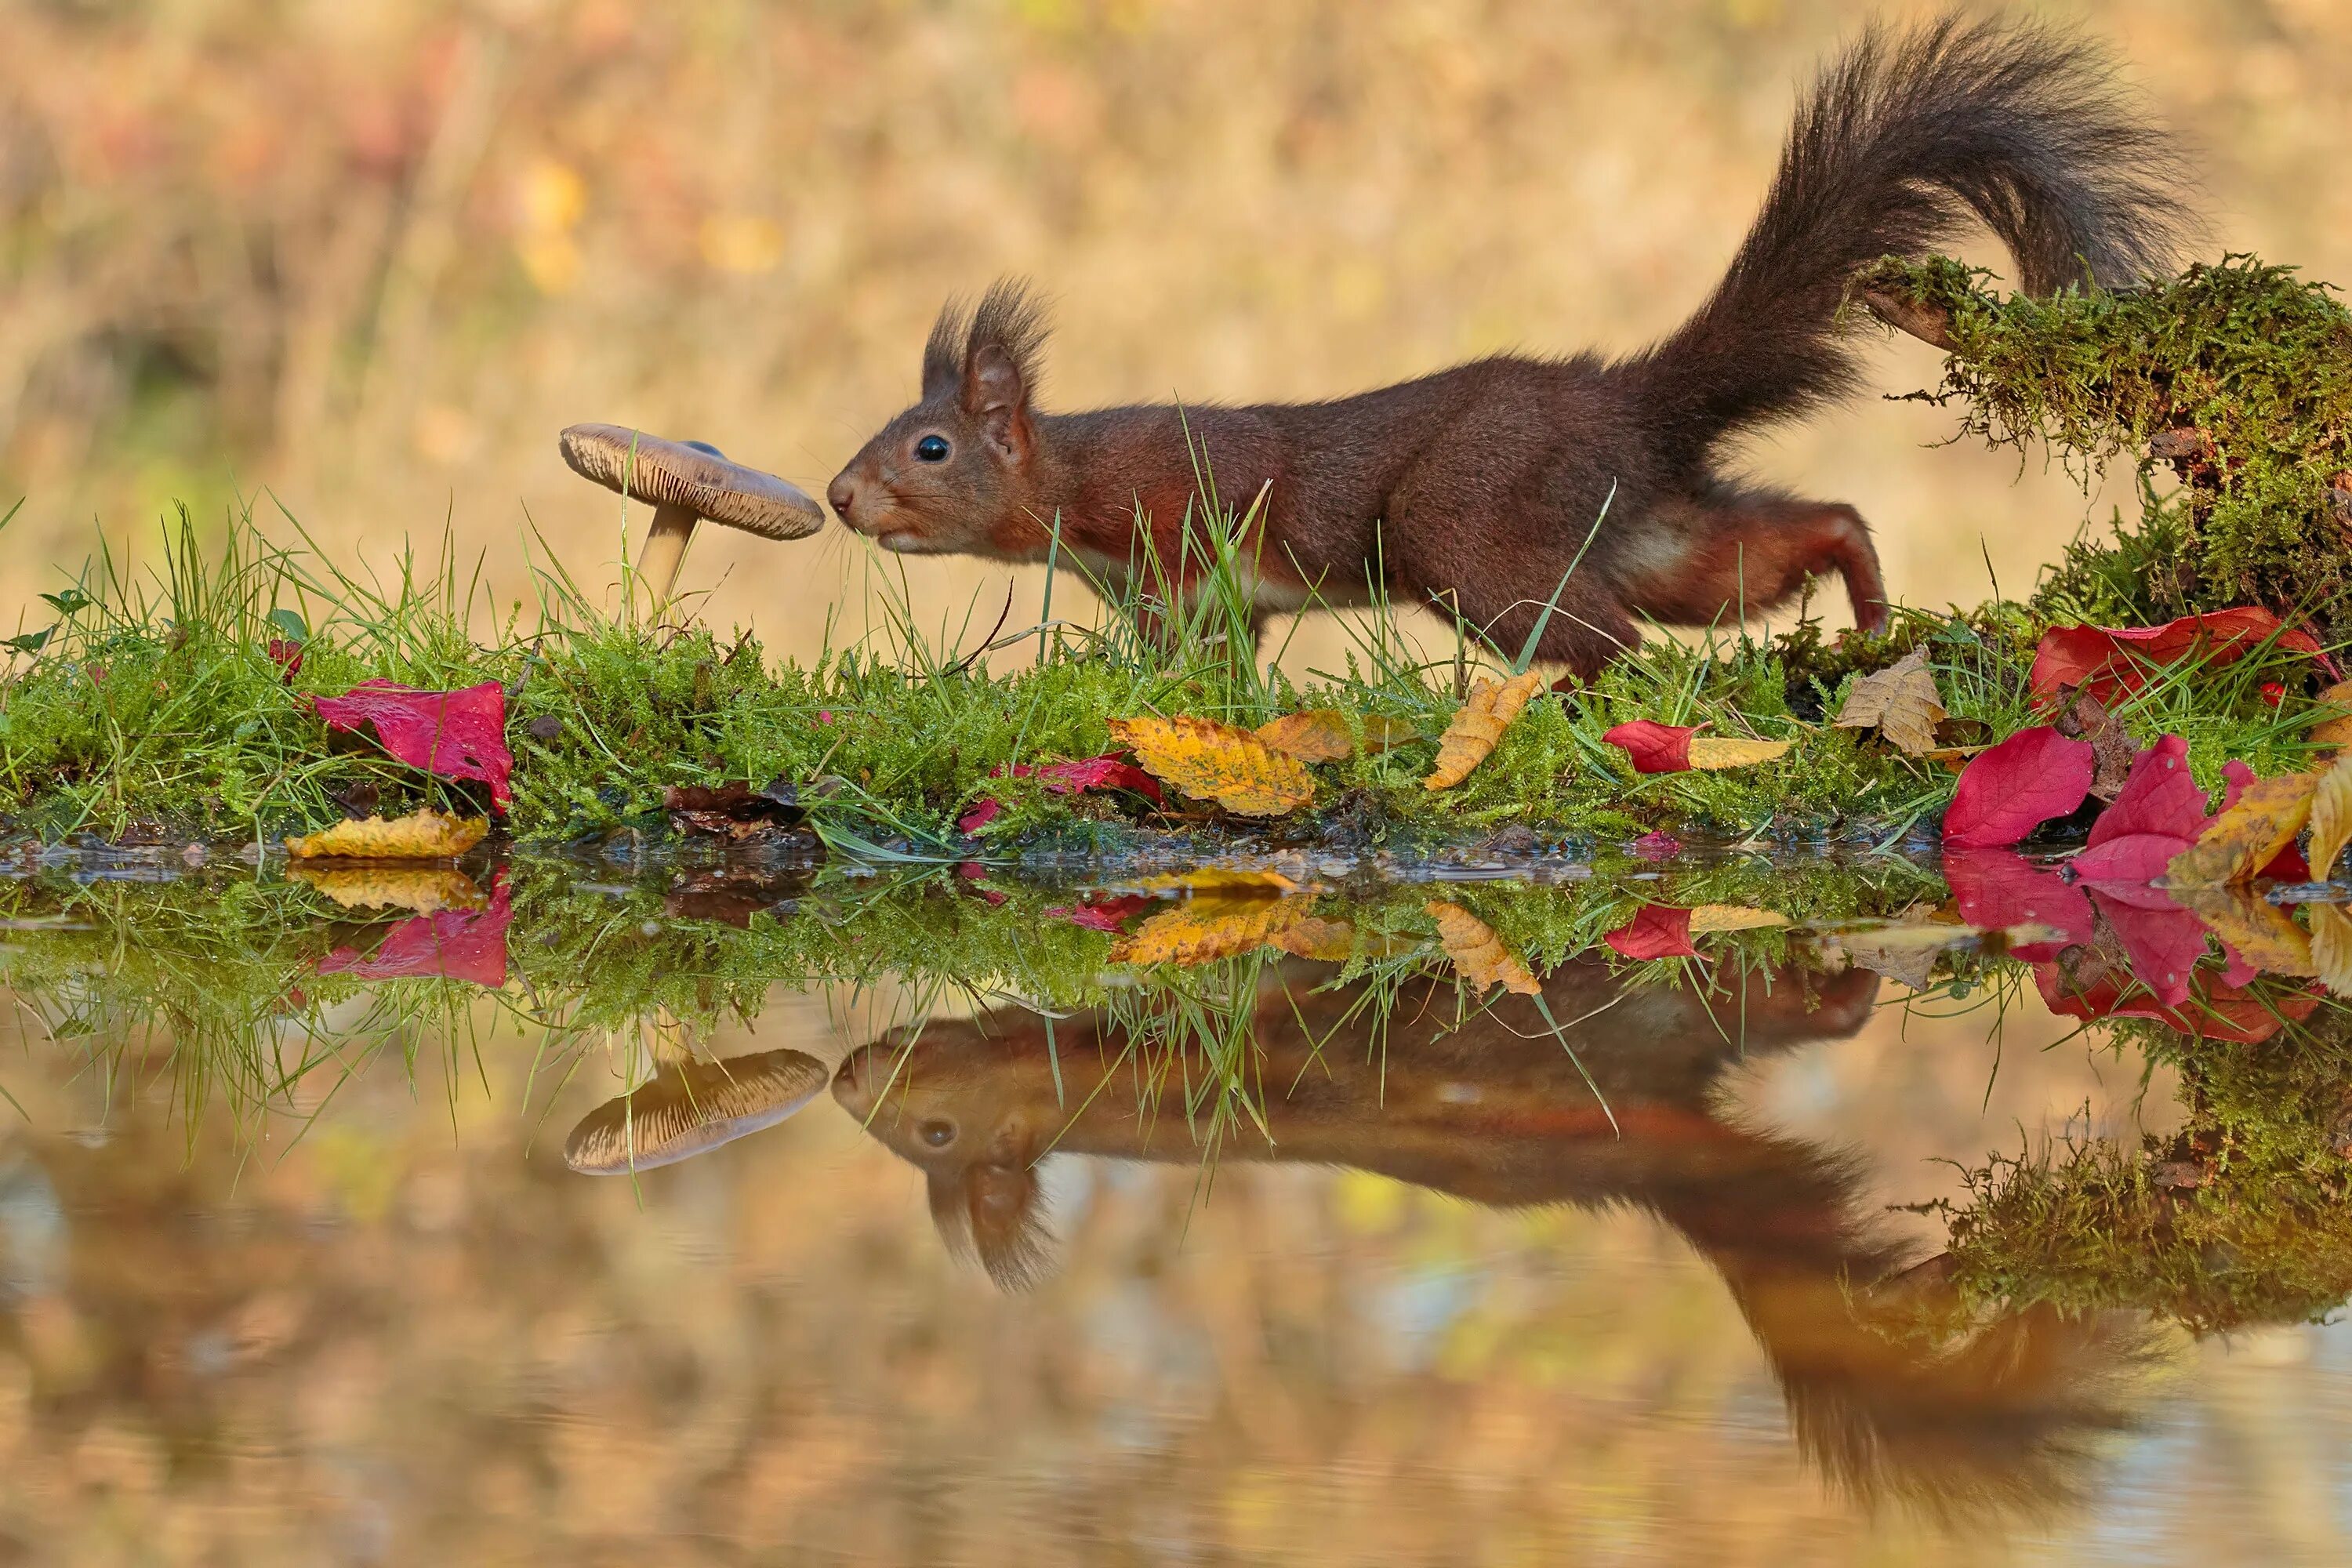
2008	790
2132	859
2111	662
1656	748
2158	797
1110	915
2224	1011
1658	930
2287	866
1110	771
975	872
1997	890
452	735
2162	942
1107	772
1657	847
286	654
2160	813
449	944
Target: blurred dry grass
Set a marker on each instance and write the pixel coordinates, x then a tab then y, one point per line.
371	254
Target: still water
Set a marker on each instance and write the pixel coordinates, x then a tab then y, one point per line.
1225	1261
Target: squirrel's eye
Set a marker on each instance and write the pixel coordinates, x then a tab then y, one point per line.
938	1134
932	449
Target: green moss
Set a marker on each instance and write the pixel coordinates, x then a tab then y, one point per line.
2250	358
2244	1216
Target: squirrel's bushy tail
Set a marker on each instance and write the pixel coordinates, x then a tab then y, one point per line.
1901	139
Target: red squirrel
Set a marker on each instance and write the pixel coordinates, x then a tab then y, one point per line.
1476	489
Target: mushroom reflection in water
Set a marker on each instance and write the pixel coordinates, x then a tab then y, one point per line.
690	1108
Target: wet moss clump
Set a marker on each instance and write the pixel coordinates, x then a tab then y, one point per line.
2236	377
2241	1217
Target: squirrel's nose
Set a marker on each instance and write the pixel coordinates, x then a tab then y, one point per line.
842	494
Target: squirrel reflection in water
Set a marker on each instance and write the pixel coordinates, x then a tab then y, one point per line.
2003	1415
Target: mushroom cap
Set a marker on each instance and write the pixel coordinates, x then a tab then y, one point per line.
693	476
690	1108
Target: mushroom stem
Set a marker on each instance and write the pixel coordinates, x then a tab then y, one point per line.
665	552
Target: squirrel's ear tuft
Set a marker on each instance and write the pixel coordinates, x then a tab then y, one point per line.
995	1210
943	350
1000	368
1008	332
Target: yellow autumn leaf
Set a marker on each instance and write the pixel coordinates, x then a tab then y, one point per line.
1709	752
2331	946
2331	817
1478	725
425	834
2336	729
1478	954
2261	931
1900	702
1318	735
1220	762
419	890
2241	840
1328	941
1708	917
1217	879
1203	929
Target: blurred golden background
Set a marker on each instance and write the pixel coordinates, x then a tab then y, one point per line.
364	258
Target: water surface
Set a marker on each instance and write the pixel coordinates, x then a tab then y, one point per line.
1019	1254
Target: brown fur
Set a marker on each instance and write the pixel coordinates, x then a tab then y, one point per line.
1477	486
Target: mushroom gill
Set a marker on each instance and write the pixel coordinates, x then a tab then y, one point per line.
690	1108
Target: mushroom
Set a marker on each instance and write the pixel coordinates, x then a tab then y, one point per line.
687	481
690	1108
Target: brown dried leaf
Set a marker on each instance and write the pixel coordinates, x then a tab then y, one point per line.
2085	718
1709	752
2260	930
421	890
2331	947
1323	735
1900	702
2243	839
1220	762
2331	817
425	834
1203	929
1318	735
1478	725
1708	917
1331	942
1904	952
2336	729
1478	954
